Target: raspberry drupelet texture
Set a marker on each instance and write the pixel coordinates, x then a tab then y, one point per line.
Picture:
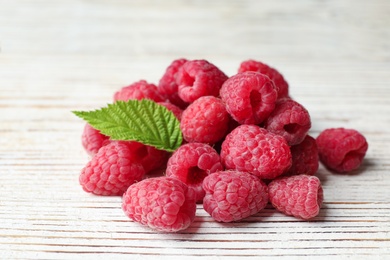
304	157
191	163
197	78
290	120
139	90
92	140
249	97
162	203
112	170
233	195
253	149
341	150
205	120
300	196
149	157
280	83
177	111
167	85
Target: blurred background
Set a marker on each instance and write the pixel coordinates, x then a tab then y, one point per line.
58	56
270	29
103	44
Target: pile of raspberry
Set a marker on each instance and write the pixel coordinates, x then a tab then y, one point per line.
246	144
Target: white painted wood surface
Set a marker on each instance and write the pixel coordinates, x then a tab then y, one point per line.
58	56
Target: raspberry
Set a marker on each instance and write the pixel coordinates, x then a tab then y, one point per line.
233	195
249	97
341	150
167	85
304	157
92	140
280	84
231	126
290	120
150	157
191	163
205	120
253	149
111	171
199	78
300	195
177	111
139	90
162	203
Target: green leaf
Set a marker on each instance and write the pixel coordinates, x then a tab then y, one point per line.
143	121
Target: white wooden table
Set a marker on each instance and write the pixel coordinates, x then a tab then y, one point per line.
58	56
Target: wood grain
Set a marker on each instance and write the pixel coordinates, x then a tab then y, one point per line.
59	56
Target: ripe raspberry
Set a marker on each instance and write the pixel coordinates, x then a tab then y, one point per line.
280	84
253	149
139	90
304	157
162	203
191	163
231	126
173	108
290	120
111	171
199	78
167	85
92	140
249	97
150	157
300	196
341	150
205	120
233	195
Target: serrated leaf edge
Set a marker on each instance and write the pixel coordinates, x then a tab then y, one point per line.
169	144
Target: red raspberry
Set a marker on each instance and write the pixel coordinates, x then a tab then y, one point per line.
191	163
162	203
150	157
253	149
249	97
304	157
341	150
139	90
300	195
199	78
92	140
167	85
280	84
205	120
173	108
290	120
111	171
233	195
231	126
